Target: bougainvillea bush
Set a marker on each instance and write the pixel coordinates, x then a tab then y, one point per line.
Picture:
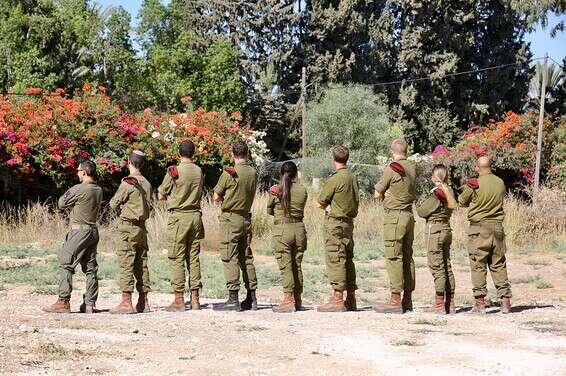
512	143
43	137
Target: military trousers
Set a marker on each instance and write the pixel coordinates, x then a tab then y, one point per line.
398	234
439	240
339	249
235	250
290	244
79	248
486	247
184	234
132	251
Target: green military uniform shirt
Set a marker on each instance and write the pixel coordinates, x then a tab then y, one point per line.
85	199
486	202
184	193
401	189
133	200
237	191
342	192
296	206
432	209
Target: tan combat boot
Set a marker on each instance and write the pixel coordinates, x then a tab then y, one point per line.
479	306
450	304
439	306
86	308
125	306
407	302
143	303
393	306
178	304
195	303
287	305
505	305
335	303
60	306
298	301
350	301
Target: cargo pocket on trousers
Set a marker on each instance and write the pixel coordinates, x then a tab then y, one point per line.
224	233
172	233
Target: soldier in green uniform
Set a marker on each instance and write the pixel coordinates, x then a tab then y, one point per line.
84	200
133	200
236	190
486	238
397	190
437	210
287	204
182	187
340	193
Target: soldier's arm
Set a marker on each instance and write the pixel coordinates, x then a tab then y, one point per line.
428	207
220	188
119	197
326	194
466	196
271	205
164	189
383	184
68	199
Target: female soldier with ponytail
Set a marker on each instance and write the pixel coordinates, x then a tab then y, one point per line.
437	209
287	205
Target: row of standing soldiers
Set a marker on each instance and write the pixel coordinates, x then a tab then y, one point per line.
182	189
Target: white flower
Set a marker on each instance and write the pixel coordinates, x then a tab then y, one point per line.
172	124
155	134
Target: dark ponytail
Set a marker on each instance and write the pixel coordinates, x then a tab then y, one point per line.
288	173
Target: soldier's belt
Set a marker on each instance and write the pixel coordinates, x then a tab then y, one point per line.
434	221
341	219
407	210
133	222
242	213
282	221
82	227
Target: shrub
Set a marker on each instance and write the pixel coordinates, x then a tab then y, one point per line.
353	117
44	137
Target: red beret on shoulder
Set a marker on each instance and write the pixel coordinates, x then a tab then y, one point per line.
275	190
473	183
440	194
231	170
130	180
398	168
173	172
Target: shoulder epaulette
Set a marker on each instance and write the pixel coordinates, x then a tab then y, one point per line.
398	168
173	172
440	194
130	180
473	183
275	191
231	171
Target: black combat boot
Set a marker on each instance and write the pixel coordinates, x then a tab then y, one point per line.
250	302
232	304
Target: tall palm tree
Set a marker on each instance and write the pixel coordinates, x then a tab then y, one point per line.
554	79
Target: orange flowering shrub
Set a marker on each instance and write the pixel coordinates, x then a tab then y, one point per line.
511	142
44	136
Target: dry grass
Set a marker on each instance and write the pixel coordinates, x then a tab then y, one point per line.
538	227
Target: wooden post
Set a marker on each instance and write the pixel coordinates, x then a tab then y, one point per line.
304	113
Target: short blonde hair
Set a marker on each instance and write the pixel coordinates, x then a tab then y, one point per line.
399	146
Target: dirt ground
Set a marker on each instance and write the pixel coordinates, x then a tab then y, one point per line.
530	341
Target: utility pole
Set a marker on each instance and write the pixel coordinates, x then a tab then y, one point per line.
541	121
304	112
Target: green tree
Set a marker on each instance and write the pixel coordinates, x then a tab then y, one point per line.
354	117
46	43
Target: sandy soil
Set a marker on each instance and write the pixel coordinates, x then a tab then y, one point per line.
531	341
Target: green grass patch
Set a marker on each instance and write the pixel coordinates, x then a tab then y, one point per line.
524	279
541	284
536	262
